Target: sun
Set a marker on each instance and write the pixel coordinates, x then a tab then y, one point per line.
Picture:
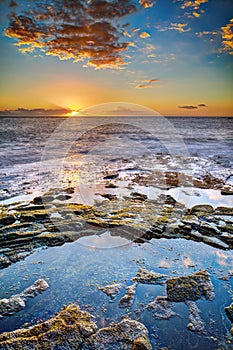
74	112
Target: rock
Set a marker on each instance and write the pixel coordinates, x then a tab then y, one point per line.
161	308
11	306
38	287
111	176
202	208
127	334
192	287
66	330
7	220
111	289
111	185
127	299
207	229
74	329
17	302
63	197
195	322
148	277
170	200
229	312
223	211
37	200
139	196
109	196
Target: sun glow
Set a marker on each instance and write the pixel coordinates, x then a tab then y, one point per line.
73	111
72	114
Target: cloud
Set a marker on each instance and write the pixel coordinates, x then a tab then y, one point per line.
90	31
144	35
21	112
201	105
147	3
147	84
123	109
227	37
188	107
192	6
180	27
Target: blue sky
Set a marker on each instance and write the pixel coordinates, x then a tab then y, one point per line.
174	56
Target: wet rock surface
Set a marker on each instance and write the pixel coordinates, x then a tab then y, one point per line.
148	277
195	322
51	222
17	302
128	298
111	290
192	287
72	328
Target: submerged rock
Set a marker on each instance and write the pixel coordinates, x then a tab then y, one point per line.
161	308
111	289
148	277
127	299
17	302
192	287
195	322
72	329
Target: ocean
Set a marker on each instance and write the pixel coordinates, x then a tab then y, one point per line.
114	195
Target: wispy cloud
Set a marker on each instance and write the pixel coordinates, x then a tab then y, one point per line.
34	112
146	84
180	27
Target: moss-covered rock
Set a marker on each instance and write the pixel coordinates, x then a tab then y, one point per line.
229	312
192	287
72	329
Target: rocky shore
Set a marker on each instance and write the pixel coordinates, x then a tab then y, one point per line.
49	221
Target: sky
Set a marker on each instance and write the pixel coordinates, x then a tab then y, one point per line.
60	57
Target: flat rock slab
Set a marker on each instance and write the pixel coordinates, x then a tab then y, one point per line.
192	287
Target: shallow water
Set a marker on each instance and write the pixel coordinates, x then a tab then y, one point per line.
74	273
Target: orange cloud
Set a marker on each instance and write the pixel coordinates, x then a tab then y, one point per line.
146	3
74	30
227	37
144	35
193	5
